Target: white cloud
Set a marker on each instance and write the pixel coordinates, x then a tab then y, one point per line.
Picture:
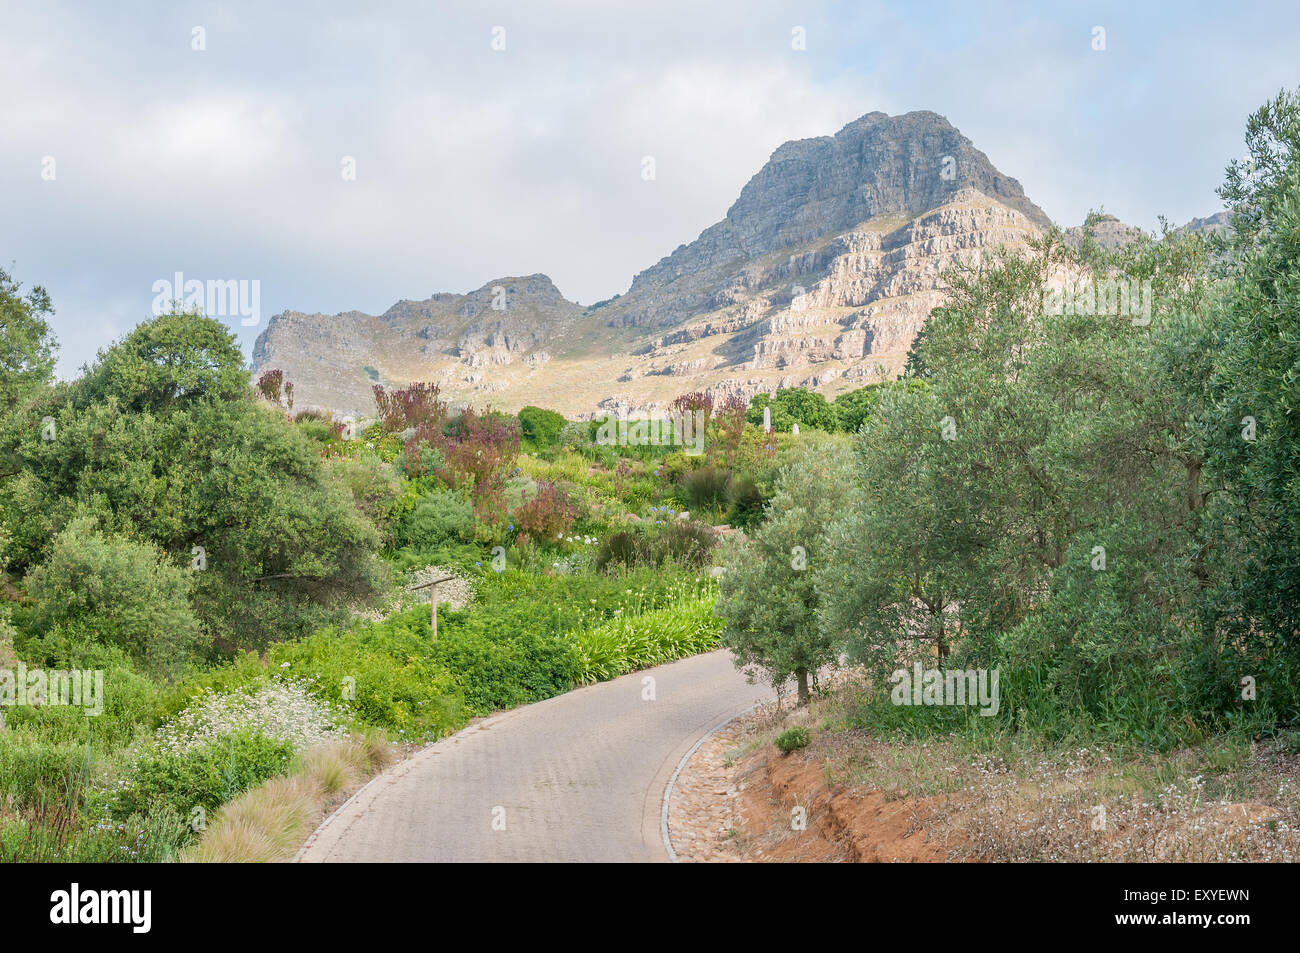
472	164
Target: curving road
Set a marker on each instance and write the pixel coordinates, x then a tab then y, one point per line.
578	777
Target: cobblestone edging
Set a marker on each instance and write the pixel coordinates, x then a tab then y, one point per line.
701	810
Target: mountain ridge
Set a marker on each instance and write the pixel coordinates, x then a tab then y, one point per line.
820	274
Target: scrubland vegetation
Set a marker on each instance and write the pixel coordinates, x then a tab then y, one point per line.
1100	504
241	573
1104	509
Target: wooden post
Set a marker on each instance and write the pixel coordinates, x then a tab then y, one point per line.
433	600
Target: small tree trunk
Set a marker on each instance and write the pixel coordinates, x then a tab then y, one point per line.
801	677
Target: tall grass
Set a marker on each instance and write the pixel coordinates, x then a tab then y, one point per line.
630	642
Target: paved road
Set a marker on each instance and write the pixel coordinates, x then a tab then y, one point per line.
579	777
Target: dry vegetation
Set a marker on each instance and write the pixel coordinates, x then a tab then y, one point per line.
998	798
269	823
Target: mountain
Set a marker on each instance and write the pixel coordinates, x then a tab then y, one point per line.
820	275
473	344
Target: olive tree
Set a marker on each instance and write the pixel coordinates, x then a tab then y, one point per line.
768	599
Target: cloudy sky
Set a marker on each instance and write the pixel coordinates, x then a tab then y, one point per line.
472	162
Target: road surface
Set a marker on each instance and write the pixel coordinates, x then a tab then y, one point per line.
578	777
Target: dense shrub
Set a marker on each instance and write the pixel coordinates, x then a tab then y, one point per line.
792	739
163	441
746	502
706	488
382	675
684	542
853	407
96	590
548	514
131	705
480	449
35	772
793	405
641	640
205	777
374	487
51	835
540	428
439	518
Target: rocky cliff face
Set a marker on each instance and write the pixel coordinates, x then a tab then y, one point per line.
820	275
877	167
464	342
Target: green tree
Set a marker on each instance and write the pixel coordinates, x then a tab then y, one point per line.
902	548
793	405
540	428
1256	442
175	360
162	440
853	407
97	590
768	600
26	345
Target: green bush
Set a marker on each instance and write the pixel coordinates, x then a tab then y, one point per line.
53	837
439	518
634	641
499	661
97	590
792	739
684	542
793	405
746	503
130	705
619	549
383	675
541	428
35	773
706	488
205	777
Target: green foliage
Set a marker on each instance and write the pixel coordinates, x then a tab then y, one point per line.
162	441
792	739
540	428
53	836
706	488
130	706
793	405
175	360
439	518
853	407
26	345
768	599
97	590
36	773
206	777
746	502
630	642
1255	434
374	486
383	675
501	662
682	542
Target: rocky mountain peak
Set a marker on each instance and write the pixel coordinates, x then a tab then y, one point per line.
876	167
820	275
